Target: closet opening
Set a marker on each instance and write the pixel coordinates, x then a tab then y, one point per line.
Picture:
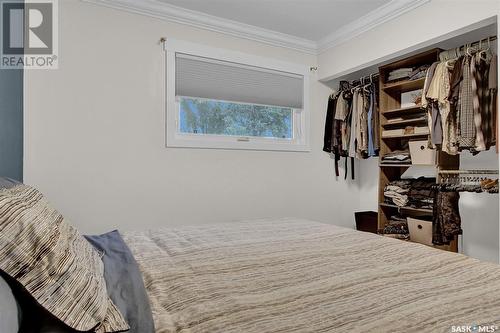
403	125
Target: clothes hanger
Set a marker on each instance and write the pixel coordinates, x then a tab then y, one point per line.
484	53
471	50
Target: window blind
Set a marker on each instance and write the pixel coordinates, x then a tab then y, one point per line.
221	80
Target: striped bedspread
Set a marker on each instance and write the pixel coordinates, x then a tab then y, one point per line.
293	275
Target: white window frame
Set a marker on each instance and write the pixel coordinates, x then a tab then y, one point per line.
174	138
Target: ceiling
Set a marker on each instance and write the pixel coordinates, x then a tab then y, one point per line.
310	26
309	19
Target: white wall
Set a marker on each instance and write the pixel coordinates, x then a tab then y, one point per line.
94	137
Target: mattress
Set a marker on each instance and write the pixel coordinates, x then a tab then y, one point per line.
292	275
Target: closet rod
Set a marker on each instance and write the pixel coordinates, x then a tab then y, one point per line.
471	172
366	77
483	41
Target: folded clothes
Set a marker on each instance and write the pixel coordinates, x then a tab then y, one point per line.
397	156
399	74
405	161
416	193
397	131
394	77
397	198
397	227
419	72
401	70
418	75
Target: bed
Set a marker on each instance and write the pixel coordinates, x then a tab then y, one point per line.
293	275
259	276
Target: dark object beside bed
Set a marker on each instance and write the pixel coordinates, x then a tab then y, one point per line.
366	221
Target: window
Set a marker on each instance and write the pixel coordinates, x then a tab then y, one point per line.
211	117
228	100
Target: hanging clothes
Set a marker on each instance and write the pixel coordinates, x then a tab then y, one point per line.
372	127
438	91
481	100
467	138
433	115
354	124
351	124
330	115
493	91
446	222
362	150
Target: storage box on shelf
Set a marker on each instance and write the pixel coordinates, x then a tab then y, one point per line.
402	126
421	154
420	231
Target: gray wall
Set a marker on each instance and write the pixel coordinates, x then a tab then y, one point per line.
11	123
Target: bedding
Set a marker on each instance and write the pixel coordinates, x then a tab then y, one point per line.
58	267
124	281
293	275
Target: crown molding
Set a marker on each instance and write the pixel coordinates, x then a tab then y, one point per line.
164	11
379	16
167	12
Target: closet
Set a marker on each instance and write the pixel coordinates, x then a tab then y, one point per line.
417	163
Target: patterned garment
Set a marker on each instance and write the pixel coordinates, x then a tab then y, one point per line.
57	266
297	276
467	139
356	100
477	95
363	124
483	112
446	223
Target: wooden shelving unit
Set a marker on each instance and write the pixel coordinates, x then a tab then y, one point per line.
410	209
408	122
399	111
403	86
402	136
390	107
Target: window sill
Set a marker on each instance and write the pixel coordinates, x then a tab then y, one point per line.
181	141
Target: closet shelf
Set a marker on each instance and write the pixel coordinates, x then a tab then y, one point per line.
405	122
394	165
418	135
401	111
403	86
410	209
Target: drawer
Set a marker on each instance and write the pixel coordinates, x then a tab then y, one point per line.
421	154
420	231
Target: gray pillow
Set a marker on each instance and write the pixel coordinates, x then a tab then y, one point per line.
9	313
124	281
10	316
